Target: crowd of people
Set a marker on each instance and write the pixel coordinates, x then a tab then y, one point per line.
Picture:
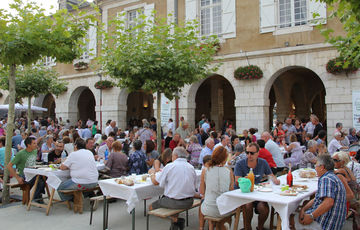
222	155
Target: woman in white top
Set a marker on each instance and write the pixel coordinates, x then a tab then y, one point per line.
296	152
215	180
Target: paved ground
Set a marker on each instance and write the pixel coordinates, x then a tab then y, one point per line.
16	217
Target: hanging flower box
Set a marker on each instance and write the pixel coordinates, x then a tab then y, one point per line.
336	66
104	84
248	72
81	65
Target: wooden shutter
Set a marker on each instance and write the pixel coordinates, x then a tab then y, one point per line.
267	16
228	18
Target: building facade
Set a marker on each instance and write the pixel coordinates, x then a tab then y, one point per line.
279	36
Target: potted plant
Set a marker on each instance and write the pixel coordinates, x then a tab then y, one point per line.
104	84
336	66
81	65
248	72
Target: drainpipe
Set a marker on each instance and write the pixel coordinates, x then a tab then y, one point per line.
177	96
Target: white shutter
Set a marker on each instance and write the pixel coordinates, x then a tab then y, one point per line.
121	16
191	10
92	41
148	10
319	8
228	18
267	16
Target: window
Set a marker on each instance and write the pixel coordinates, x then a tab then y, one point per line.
132	17
86	47
210	17
49	61
292	13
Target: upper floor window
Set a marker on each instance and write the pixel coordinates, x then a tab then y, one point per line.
49	61
289	16
133	17
292	13
210	17
90	44
216	17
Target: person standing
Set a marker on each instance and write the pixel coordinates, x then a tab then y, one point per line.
274	150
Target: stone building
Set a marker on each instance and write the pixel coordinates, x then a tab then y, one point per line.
278	36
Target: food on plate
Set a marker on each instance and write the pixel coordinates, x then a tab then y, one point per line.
289	192
307	173
125	181
265	184
301	187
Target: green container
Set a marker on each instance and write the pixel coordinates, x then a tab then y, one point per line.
244	184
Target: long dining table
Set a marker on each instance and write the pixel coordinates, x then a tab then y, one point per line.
283	205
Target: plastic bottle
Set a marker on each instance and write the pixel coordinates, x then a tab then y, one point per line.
106	154
289	177
251	177
63	156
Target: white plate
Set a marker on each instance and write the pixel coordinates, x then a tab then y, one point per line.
265	189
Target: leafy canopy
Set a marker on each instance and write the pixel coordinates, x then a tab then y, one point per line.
29	35
348	12
156	55
31	81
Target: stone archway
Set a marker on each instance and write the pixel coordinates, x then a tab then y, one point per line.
139	105
82	105
296	92
49	103
215	98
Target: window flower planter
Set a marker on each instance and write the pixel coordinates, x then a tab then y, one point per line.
248	72
81	65
104	84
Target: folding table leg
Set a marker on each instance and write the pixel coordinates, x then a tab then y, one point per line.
105	214
33	192
133	219
51	197
144	207
187	218
91	210
147	222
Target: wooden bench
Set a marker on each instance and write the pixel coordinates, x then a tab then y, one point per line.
25	191
218	220
93	201
78	198
167	213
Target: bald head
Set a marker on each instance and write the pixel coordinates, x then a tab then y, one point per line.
265	136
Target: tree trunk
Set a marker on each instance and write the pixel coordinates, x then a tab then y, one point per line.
29	115
158	123
9	132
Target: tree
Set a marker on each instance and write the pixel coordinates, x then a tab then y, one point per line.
28	35
157	56
348	12
33	80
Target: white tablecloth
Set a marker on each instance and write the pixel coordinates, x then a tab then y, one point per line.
284	205
54	177
136	193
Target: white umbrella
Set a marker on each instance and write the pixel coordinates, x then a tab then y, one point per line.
23	107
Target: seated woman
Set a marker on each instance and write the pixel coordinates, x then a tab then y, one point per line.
296	152
151	153
215	180
163	160
118	161
309	157
194	150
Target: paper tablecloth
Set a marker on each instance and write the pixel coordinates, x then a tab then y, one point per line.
284	205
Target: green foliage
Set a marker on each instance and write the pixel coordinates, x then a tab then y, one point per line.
29	35
31	81
348	12
104	84
336	66
157	56
248	72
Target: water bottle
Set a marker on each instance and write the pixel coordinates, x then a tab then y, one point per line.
106	154
63	156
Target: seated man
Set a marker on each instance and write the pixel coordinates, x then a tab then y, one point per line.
260	168
54	156
107	147
83	171
179	182
328	209
23	159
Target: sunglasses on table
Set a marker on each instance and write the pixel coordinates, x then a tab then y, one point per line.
252	153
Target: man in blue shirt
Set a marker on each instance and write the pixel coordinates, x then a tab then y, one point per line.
209	147
16	140
328	209
260	169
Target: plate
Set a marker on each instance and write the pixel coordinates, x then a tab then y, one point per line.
286	193
265	189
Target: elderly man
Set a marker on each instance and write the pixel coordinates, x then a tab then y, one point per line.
260	168
110	128
225	142
83	171
328	209
309	157
176	142
309	127
107	147
353	139
275	151
54	156
209	148
179	182
183	131
335	143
